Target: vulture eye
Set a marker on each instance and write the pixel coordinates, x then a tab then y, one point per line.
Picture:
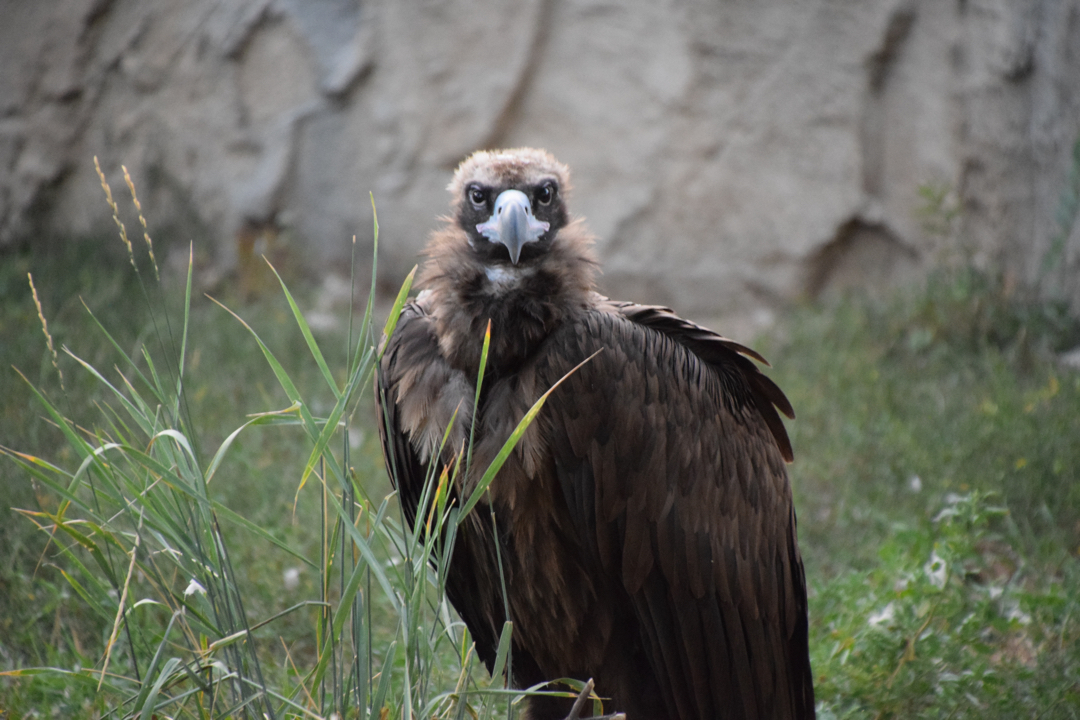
545	193
478	196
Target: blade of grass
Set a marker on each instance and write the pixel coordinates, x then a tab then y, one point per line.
310	425
365	324
261	532
476	400
120	609
144	692
322	442
378	702
395	311
181	361
263	418
503	650
512	441
149	703
305	330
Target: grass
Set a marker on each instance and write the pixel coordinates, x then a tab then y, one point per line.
937	478
312	600
956	385
937	481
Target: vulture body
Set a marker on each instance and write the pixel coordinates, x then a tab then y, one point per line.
644	521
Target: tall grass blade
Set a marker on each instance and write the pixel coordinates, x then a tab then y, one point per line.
305	330
503	651
476	399
512	441
143	697
395	310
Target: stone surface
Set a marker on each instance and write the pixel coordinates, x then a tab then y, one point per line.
731	156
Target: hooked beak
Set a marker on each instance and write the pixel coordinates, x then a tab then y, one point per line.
513	223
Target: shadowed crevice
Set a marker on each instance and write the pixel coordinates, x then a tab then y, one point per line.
863	255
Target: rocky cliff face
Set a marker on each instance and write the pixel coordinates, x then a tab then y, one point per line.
730	155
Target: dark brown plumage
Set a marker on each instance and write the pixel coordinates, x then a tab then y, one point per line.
645	520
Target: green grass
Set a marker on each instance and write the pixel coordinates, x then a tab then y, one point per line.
240	518
937	481
956	385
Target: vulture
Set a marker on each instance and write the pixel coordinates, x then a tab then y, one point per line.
642	529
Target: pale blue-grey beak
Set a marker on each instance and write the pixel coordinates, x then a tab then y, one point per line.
513	223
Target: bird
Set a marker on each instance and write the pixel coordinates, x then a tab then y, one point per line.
642	532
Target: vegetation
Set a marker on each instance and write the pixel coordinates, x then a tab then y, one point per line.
204	527
937	477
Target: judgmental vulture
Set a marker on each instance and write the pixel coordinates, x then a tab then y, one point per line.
644	521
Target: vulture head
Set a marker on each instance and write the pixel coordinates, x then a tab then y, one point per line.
509	253
510	203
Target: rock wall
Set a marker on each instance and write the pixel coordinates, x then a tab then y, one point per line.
730	155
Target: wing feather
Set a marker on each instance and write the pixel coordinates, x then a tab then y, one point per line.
720	351
670	453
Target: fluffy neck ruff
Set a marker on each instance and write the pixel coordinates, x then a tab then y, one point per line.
524	302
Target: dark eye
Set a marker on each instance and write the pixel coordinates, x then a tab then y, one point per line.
545	193
478	196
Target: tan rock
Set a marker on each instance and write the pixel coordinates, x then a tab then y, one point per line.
731	156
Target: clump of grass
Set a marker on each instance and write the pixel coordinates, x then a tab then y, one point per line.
43	622
142	544
137	534
936	431
138	530
945	389
949	623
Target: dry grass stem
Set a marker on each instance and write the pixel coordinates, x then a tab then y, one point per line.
45	329
142	220
115	213
120	609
